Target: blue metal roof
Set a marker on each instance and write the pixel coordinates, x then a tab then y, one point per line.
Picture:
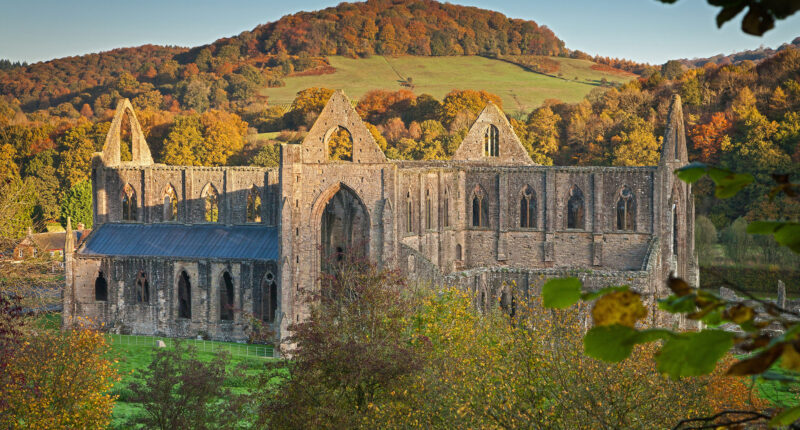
244	242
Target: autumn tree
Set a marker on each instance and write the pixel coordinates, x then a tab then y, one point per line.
76	149
470	102
67	378
711	138
636	145
349	350
17	200
184	137
543	133
307	105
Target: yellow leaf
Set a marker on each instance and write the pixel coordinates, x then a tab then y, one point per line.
619	307
790	359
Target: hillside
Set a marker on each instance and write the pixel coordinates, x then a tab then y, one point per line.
756	55
228	72
520	89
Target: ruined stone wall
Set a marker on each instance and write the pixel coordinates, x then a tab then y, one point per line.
123	313
149	183
502	240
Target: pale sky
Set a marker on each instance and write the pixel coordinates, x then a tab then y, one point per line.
641	30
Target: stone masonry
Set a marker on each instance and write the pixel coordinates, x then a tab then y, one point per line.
486	217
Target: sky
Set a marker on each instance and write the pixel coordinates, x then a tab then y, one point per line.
641	30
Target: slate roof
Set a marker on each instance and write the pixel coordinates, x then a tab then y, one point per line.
54	241
242	242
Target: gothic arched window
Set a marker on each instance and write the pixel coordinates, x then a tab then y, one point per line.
184	296
446	209
170	204
101	288
254	205
142	288
527	208
480	209
491	142
129	207
226	297
268	305
576	209
211	199
428	210
409	213
626	210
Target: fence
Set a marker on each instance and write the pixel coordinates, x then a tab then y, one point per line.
234	349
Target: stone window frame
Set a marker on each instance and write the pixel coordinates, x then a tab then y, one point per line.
527	196
143	287
445	215
254	199
572	194
226	288
181	274
267	306
207	192
101	294
629	209
483	209
430	220
170	193
491	141
409	214
129	204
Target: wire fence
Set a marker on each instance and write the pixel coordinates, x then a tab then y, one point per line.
234	349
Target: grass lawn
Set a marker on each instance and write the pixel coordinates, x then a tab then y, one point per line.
521	90
134	354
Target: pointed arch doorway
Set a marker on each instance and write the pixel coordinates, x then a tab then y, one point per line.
344	228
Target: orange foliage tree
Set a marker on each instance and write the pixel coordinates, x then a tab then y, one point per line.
62	380
709	138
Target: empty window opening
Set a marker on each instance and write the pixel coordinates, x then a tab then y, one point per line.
428	218
125	138
491	142
458	252
129	206
101	288
527	209
170	204
142	288
576	211
340	145
211	199
226	297
184	296
446	209
626	210
268	303
409	213
675	230
254	205
480	209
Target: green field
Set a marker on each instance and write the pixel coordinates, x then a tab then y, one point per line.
520	89
134	353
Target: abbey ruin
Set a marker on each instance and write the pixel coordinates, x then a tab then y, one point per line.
183	250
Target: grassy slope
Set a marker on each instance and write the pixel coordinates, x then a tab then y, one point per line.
521	90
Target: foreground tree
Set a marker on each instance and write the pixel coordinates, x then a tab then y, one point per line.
353	346
60	380
179	390
616	310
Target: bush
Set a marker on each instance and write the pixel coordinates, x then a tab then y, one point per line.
178	390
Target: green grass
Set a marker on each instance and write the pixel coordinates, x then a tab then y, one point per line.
133	358
521	90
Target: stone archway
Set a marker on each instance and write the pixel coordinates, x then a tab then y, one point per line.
344	228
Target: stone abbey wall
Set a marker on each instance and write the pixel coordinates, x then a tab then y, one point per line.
485	218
